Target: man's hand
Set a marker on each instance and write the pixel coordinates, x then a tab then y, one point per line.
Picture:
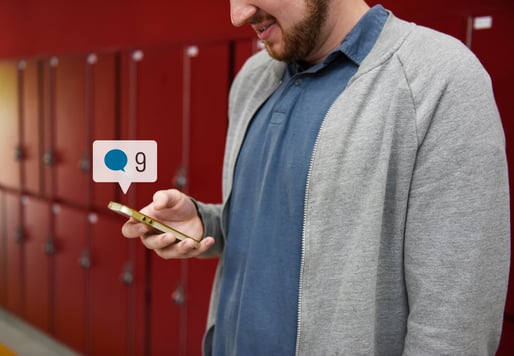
176	209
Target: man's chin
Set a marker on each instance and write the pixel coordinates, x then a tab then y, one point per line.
279	55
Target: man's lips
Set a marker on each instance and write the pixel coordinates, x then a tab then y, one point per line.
263	29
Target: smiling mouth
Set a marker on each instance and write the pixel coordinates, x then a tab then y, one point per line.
263	27
261	23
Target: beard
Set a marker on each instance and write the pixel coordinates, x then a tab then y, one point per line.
301	40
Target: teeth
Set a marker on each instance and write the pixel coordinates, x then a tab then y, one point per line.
263	28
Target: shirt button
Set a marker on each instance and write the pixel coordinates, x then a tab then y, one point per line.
298	82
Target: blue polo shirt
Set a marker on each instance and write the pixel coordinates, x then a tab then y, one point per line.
259	286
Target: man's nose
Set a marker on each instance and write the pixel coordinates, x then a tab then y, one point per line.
241	11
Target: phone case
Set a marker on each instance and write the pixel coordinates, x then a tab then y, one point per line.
156	224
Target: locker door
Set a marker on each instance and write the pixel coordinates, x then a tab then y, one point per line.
37	262
32	126
9	124
14	257
109	285
209	95
70	272
47	128
242	50
167	328
103	106
3	251
209	98
152	109
72	176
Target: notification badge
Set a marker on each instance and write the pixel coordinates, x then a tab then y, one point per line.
124	162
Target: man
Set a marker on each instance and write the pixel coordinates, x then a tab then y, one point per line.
365	191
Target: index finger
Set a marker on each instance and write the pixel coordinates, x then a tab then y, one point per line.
132	229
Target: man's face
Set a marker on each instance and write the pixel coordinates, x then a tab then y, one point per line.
291	29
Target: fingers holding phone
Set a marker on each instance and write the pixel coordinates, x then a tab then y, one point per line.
154	225
168	247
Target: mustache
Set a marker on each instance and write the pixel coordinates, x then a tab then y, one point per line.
259	18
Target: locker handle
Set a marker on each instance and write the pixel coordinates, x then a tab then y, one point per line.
50	247
127	277
19	154
181	179
49	158
179	296
85	260
19	236
85	163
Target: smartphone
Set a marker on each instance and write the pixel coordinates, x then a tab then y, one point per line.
157	225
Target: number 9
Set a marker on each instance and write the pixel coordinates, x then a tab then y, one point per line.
141	161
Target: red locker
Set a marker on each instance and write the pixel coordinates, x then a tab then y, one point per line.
152	109
167	318
209	99
14	254
244	49
102	105
70	275
111	280
31	132
47	129
9	125
208	121
72	131
37	262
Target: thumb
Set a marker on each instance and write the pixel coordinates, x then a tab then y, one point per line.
165	199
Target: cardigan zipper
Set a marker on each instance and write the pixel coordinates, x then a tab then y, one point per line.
302	257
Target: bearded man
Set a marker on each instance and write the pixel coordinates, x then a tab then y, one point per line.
365	192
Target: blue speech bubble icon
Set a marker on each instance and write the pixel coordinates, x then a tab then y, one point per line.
116	160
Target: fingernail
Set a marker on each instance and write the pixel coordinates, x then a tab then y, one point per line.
208	242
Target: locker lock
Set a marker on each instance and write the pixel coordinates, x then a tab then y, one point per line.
49	158
19	155
84	163
50	247
179	296
127	276
85	260
19	236
181	179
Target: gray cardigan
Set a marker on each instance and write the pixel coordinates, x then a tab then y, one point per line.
406	227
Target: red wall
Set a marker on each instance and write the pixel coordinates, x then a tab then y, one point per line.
57	241
63	26
30	27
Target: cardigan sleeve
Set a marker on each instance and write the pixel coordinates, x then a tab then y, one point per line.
211	219
457	241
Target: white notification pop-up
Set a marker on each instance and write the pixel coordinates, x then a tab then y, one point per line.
124	162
